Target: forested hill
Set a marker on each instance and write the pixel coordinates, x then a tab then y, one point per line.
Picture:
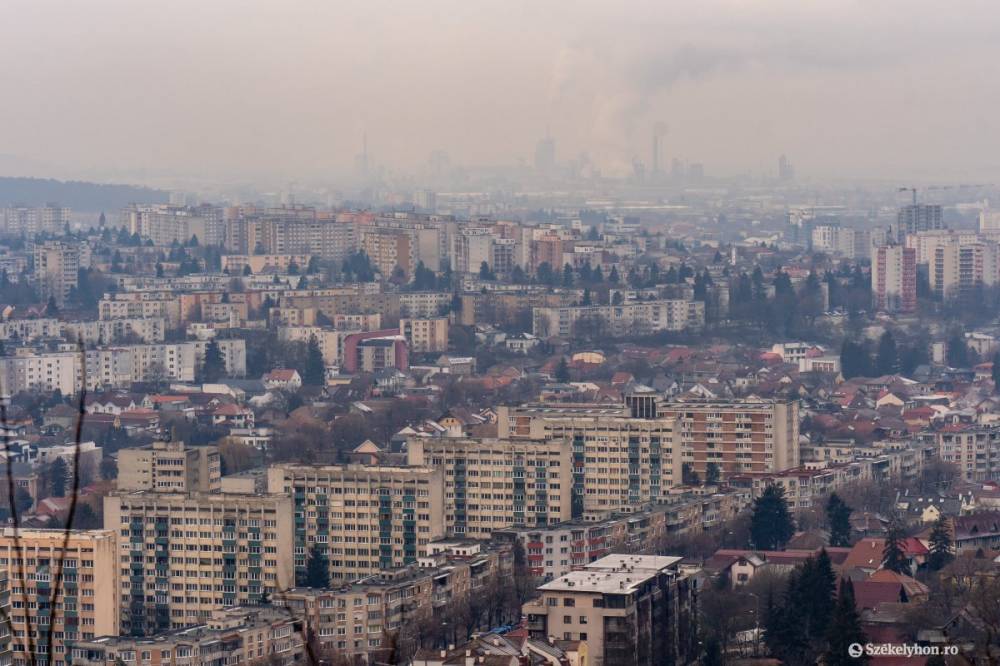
78	195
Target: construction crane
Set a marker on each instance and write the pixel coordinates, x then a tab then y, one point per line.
910	189
943	187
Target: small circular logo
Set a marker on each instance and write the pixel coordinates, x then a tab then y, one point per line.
855	650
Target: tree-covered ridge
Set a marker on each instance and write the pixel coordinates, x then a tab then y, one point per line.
78	195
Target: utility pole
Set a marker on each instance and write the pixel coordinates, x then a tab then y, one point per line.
756	624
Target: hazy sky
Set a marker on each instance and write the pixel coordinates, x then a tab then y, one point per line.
285	89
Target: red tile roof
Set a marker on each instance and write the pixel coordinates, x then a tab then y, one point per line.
281	375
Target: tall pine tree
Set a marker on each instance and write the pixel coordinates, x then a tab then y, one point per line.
995	372
845	630
854	360
314	373
771	525
838	516
57	473
887	358
317	569
562	371
784	633
893	557
817	593
214	366
940	540
713	653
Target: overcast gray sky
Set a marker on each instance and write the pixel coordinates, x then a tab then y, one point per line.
285	89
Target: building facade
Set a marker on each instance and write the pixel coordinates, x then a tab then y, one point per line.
637	318
736	436
57	265
362	519
170	467
237	635
88	596
425	335
492	484
619	461
894	278
185	554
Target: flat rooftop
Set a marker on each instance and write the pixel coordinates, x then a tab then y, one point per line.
650	563
598	582
613	574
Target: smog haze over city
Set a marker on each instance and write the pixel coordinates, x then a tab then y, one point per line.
270	91
454	333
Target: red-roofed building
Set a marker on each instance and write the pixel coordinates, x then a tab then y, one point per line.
621	378
741	565
166	402
233	415
866	555
139	419
284	379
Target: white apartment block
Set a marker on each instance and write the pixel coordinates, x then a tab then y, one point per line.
91	332
112	367
894	278
473	247
843	241
47	372
423	304
32	220
620	320
98	332
237	635
164	223
141	305
235	264
974	449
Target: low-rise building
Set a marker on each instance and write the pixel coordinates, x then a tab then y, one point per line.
356	619
236	264
626	319
236	635
630	609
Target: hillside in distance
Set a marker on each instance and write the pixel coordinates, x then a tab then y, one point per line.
78	195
